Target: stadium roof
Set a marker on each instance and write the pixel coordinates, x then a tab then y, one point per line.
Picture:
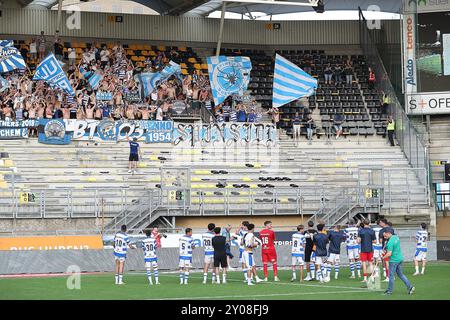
205	7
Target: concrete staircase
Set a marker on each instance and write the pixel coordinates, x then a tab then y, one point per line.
289	178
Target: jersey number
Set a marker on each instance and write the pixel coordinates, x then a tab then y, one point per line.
119	243
149	247
207	243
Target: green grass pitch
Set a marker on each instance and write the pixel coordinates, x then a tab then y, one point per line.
434	285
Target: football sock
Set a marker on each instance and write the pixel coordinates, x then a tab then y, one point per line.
205	276
117	278
294	275
328	270
423	270
313	269
224	277
149	275
186	277
336	270
156	274
358	268
266	273
275	269
181	276
245	274
417	269
352	268
214	276
120	278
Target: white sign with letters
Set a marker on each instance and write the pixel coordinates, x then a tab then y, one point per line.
429	103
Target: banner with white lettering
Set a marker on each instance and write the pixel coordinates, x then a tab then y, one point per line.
10	130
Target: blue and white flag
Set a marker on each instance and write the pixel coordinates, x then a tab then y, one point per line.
4	84
51	72
228	75
6	43
93	78
150	81
290	82
10	57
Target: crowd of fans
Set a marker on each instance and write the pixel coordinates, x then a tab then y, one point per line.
117	96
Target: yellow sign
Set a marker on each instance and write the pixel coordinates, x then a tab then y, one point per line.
52	243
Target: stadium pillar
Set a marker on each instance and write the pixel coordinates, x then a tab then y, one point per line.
58	25
222	20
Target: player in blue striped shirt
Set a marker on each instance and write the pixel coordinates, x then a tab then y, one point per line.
422	237
121	244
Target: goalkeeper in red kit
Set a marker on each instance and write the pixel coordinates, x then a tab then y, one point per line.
268	252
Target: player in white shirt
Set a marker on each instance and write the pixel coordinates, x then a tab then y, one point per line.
186	247
209	253
298	252
121	244
377	249
351	240
240	236
149	246
422	237
250	242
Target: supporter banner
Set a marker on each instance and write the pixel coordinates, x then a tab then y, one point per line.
107	130
428	103
104	96
228	75
52	243
53	131
10	130
225	132
133	96
159	131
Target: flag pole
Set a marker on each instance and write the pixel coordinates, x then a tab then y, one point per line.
222	20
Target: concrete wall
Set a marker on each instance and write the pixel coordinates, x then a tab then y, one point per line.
25	262
188	29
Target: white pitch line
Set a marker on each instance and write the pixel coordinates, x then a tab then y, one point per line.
260	295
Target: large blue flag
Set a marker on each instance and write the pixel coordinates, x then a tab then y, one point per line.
51	72
10	57
228	75
93	78
290	82
150	81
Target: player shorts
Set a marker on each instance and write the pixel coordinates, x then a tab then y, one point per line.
241	252
308	253
269	256
333	258
151	262
366	256
298	259
185	262
220	261
209	259
353	253
377	253
120	256
133	157
320	260
249	261
420	255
